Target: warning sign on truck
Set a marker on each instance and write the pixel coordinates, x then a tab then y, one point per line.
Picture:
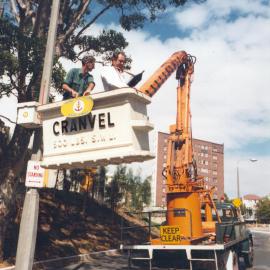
170	234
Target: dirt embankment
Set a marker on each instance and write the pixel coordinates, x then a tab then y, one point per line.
64	230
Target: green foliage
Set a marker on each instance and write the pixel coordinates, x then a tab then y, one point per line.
113	190
227	199
129	190
99	181
263	211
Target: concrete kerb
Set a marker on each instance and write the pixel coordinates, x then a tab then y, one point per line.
65	261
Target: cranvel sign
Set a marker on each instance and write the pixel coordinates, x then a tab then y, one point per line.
115	131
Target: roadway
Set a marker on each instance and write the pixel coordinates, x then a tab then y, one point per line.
261	250
119	262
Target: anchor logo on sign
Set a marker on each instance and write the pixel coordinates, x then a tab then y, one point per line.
78	106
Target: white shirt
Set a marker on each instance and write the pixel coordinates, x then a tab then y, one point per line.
113	79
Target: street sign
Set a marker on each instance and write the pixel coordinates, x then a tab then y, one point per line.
38	177
116	131
237	202
170	235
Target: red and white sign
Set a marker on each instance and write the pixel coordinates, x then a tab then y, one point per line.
35	174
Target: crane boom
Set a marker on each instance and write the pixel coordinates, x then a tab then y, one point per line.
151	86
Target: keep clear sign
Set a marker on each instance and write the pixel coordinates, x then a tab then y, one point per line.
170	235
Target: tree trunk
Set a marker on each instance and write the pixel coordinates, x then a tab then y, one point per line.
12	162
8	205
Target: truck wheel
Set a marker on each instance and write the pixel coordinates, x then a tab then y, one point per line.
249	257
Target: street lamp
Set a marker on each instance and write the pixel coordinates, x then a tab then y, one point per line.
238	183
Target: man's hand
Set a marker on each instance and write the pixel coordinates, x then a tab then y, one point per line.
74	94
86	93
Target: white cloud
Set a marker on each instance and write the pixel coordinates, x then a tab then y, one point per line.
253	176
193	17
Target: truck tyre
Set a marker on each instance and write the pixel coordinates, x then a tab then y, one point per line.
249	257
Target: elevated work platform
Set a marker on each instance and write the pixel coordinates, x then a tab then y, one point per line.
116	131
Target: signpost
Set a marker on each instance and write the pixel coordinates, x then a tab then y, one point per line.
170	235
38	177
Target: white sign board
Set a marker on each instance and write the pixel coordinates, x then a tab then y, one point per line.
38	177
35	174
116	131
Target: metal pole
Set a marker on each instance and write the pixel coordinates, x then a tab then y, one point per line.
28	231
28	227
237	173
238	182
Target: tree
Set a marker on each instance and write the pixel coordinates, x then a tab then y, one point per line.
99	181
114	191
226	198
146	190
134	192
23	33
263	211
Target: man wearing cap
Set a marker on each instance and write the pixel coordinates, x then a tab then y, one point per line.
79	82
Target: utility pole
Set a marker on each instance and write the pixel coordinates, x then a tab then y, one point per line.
29	220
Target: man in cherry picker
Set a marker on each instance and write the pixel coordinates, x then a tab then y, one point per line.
79	82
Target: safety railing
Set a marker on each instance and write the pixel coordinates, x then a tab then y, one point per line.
139	228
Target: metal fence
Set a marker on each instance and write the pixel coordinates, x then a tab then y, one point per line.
141	227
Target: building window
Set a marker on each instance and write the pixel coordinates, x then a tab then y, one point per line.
204	170
214	149
205	162
215	157
164	190
214	172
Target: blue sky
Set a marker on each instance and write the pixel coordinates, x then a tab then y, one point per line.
231	86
